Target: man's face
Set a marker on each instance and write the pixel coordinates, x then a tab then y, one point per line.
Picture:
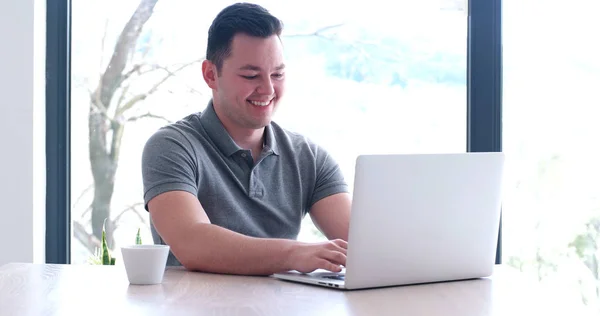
251	82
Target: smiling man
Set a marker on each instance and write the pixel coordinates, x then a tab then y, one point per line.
227	188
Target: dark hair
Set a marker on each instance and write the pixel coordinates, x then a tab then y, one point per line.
250	19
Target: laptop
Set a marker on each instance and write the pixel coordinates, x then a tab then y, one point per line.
419	218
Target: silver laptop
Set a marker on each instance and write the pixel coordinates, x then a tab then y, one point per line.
419	218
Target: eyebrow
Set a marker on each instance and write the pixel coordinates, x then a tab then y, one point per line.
256	68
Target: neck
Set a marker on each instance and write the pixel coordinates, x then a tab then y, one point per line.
246	138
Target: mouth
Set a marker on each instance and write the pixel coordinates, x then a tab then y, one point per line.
260	103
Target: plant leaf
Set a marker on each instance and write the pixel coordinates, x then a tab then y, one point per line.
105	253
95	258
138	238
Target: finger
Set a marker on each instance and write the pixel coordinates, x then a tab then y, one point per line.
324	264
335	247
335	257
340	242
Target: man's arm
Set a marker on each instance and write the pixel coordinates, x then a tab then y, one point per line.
331	215
199	245
331	202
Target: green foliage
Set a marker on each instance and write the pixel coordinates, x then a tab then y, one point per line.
138	238
372	58
96	258
587	248
581	244
102	256
516	262
587	244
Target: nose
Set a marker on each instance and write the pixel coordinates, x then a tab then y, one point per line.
266	87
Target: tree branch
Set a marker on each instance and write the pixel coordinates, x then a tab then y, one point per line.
88	240
97	105
148	115
191	89
142	96
318	32
134	69
135	99
125	89
127	209
89	187
87	210
124	92
103	43
118	127
113	75
149	69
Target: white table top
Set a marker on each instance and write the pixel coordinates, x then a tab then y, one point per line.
30	289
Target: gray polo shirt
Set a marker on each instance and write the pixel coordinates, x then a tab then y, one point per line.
266	199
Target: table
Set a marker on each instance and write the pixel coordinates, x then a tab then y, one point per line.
46	289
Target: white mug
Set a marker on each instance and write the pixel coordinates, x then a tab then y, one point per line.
145	264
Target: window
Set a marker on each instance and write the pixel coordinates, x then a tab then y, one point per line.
552	202
406	60
360	80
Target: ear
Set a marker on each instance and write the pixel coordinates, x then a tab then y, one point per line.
209	72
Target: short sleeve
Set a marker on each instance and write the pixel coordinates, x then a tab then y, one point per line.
330	179
168	164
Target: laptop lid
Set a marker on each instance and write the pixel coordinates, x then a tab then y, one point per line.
419	218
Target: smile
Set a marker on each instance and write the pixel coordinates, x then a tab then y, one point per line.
259	103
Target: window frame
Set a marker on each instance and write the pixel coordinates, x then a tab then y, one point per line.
58	137
484	108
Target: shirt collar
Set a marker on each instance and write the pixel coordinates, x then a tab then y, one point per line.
270	143
219	135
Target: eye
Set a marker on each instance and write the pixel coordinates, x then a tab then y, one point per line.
249	77
278	76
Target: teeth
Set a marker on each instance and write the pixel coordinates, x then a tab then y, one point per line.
257	103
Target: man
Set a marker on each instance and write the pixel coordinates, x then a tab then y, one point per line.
227	188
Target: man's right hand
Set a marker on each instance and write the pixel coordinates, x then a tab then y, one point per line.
308	257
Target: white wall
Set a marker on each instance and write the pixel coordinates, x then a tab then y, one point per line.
22	118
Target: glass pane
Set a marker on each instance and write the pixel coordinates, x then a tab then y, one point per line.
361	79
551	110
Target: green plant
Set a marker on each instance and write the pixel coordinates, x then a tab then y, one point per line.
102	256
138	238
